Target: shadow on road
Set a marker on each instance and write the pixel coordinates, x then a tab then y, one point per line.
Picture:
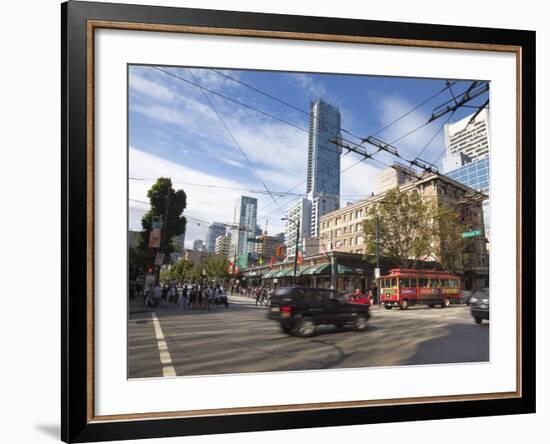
474	346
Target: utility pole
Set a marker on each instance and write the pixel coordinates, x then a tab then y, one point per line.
296	251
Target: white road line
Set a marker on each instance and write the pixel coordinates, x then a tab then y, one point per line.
165	358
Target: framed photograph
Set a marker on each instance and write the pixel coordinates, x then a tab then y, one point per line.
275	222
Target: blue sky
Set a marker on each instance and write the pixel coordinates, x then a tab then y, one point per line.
174	132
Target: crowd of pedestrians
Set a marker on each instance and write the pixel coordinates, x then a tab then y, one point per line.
261	295
185	297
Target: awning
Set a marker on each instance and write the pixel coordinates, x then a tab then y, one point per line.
351	269
317	269
269	274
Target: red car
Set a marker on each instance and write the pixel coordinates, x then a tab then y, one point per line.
358	298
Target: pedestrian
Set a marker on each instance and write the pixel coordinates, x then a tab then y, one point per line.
183	298
258	294
157	295
148	295
205	298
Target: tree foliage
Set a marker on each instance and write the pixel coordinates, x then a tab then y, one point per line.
451	248
404	228
167	206
413	229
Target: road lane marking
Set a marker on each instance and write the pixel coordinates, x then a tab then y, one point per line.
165	357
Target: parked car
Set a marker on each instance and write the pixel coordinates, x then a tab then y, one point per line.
479	305
299	310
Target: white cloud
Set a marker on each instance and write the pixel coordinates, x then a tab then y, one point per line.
314	88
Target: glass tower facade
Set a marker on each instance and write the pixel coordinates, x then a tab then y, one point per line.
215	230
476	175
246	212
323	168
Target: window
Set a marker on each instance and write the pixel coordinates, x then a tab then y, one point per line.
393	282
423	283
404	282
359	240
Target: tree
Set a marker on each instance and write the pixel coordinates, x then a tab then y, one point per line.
182	270
216	267
451	248
167	206
405	224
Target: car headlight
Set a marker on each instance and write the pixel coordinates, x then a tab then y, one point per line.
473	300
485	301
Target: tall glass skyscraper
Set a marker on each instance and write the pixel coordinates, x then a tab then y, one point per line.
215	230
246	211
323	166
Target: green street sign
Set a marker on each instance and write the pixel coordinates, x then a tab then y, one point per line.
471	234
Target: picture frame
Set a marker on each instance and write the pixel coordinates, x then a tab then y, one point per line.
80	20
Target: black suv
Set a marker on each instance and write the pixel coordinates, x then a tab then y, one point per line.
298	310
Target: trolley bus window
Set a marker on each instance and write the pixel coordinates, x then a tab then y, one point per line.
393	282
404	282
423	283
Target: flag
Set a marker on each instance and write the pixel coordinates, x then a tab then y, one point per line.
300	259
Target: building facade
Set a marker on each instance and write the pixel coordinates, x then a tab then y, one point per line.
223	245
472	139
198	245
246	212
390	178
342	230
266	246
476	175
300	212
323	167
215	229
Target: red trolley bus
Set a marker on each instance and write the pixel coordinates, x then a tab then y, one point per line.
403	287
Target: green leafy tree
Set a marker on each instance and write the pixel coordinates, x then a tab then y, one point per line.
451	250
182	270
216	266
405	224
167	206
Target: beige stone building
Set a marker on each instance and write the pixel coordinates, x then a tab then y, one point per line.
342	230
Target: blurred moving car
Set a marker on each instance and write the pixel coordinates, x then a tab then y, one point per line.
299	310
358	298
479	305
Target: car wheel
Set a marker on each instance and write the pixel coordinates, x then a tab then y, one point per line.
478	320
286	328
404	305
431	306
360	323
304	328
446	303
388	307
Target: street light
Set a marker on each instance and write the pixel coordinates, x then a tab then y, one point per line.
297	224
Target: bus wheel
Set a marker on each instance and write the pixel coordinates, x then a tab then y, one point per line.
388	307
404	305
446	302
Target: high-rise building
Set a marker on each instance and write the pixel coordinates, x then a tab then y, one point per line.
323	166
198	245
321	205
214	230
300	212
266	246
472	139
223	245
246	211
476	175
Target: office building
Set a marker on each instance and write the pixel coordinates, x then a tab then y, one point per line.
390	178
300	212
476	175
472	139
342	230
323	167
246	212
214	230
223	245
198	245
266	246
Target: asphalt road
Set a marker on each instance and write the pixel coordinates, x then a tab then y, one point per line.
240	339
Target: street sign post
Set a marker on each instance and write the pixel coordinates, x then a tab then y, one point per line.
471	234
